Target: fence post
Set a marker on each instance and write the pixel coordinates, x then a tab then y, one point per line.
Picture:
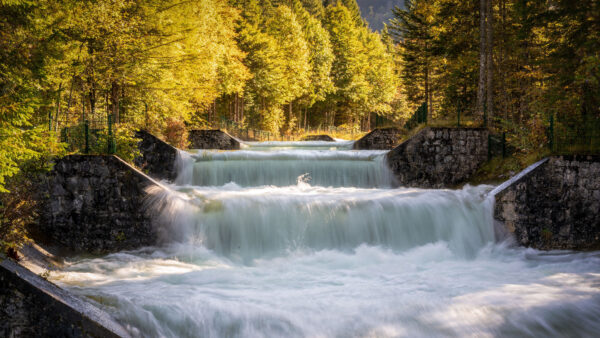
50	121
86	132
485	121
489	146
551	133
110	146
503	144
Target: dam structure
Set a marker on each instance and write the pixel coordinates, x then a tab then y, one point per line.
315	239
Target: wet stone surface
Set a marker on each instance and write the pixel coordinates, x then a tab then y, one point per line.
379	139
439	157
157	158
212	139
96	204
555	206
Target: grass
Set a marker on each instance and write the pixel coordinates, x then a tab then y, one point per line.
500	169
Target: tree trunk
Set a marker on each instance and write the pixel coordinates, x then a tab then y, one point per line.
305	118
114	101
92	95
427	89
57	108
482	57
489	63
504	104
242	109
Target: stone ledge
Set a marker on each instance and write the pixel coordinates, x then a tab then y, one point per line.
439	157
96	204
158	158
30	306
379	139
212	139
323	137
553	204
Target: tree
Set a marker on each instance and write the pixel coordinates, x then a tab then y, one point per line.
26	53
412	29
362	70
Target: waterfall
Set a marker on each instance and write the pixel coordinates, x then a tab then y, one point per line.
281	167
309	239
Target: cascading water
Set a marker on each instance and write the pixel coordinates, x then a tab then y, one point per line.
276	163
310	240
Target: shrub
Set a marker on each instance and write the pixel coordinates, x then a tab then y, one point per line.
19	206
176	133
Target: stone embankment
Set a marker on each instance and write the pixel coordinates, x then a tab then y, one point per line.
96	204
157	158
554	204
212	139
439	157
379	139
323	137
30	306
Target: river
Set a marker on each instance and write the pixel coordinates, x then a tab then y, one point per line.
311	239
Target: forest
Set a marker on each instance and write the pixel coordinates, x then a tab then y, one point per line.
288	66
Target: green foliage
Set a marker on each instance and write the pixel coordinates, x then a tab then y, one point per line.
19	206
545	63
123	137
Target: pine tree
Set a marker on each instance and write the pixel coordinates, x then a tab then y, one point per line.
412	29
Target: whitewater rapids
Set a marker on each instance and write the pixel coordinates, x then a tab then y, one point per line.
263	253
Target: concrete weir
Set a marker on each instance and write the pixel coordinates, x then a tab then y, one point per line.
30	306
379	139
439	157
157	158
96	204
322	137
553	204
212	139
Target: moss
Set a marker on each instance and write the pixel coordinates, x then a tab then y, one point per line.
45	274
546	235
120	236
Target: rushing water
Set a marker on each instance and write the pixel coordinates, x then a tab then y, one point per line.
310	240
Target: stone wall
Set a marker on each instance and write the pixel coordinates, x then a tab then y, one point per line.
30	306
379	139
439	157
555	204
95	204
212	139
157	158
323	137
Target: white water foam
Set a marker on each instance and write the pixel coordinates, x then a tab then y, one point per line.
330	260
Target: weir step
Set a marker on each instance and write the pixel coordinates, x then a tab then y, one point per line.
157	157
379	139
439	157
97	204
553	204
30	306
212	139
